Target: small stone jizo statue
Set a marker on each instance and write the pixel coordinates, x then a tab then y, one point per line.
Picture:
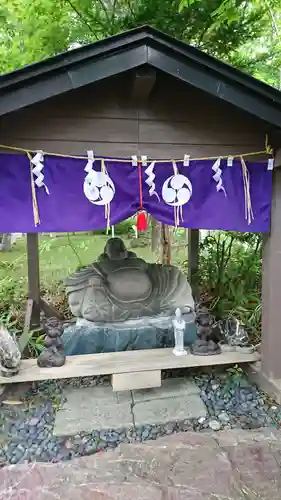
53	354
179	329
205	344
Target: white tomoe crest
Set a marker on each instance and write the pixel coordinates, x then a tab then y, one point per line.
98	186
177	190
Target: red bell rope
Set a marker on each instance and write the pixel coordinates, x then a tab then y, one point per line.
141	217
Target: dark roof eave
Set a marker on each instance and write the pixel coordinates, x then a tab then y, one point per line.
129	50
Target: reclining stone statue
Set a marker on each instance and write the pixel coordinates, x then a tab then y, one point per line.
121	286
122	302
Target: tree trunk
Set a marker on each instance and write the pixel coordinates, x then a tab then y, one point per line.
6	242
166	244
155	234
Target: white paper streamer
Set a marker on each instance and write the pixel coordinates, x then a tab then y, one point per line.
217	176
270	164
230	161
134	160
149	171
144	161
38	161
186	160
90	162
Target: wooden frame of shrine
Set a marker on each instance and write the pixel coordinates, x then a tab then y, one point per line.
144	93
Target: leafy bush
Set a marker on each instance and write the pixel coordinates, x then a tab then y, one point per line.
11	300
123	228
230	276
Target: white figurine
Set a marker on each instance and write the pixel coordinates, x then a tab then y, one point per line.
179	328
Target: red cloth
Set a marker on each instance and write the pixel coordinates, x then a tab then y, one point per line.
141	222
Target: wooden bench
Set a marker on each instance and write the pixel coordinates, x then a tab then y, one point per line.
129	370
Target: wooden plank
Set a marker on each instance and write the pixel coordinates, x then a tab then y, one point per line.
49	310
136	380
123	362
142	85
33	277
189	133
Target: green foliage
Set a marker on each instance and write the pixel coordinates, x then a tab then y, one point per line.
121	229
233	380
236	31
230	276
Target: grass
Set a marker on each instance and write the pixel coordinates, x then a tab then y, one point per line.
58	257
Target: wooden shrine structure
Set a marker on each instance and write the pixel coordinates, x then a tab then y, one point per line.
144	93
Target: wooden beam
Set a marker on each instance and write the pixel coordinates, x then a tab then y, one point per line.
49	310
143	84
33	277
193	260
111	363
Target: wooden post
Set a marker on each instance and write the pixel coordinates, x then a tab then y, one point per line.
193	259
166	257
155	234
33	277
271	279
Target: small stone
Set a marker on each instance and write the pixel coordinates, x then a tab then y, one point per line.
33	422
112	437
103	435
145	433
223	417
215	425
201	420
169	428
102	445
68	444
215	387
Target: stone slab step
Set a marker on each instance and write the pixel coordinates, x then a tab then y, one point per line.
99	408
191	466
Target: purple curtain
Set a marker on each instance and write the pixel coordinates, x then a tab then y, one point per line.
67	208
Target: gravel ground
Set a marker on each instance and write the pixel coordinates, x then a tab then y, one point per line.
26	426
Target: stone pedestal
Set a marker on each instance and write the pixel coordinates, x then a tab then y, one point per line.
86	337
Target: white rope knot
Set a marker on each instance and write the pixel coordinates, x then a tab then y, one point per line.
37	170
149	171
217	176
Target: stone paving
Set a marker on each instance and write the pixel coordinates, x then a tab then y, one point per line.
100	408
55	421
228	465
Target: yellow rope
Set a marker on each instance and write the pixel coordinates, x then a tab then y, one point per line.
33	193
267	151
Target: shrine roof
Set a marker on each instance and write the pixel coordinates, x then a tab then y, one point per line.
131	50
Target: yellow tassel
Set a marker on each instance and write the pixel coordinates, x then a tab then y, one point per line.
33	193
